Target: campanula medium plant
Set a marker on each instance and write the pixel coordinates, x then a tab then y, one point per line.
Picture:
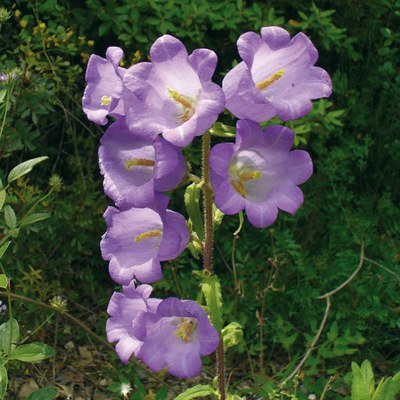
159	107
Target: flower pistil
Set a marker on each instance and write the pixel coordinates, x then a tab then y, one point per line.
148	234
271	79
186	328
186	102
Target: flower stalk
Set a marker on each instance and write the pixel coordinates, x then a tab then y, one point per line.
208	246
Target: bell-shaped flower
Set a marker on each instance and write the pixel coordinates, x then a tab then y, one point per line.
134	169
259	173
103	91
276	77
173	94
123	308
175	337
137	239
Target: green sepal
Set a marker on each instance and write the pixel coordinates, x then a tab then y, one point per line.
192	203
218	215
31	352
24	168
221	130
211	289
232	334
198	391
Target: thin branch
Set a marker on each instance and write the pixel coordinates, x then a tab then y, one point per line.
382	266
314	342
348	280
327	297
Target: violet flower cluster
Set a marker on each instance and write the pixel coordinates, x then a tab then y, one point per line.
160	106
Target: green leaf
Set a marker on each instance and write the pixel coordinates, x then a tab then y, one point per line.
232	334
211	289
2	198
44	394
197	391
363	381
3	281
3	381
24	168
10	217
33	218
9	331
192	203
31	352
3	248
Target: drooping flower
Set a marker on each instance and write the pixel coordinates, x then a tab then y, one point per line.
102	94
276	77
123	308
134	170
175	337
173	94
259	173
137	239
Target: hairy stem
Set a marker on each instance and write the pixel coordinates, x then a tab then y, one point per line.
208	201
208	247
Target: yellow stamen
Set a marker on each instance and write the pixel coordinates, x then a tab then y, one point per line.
185	329
148	234
250	175
271	79
239	187
186	103
105	100
139	162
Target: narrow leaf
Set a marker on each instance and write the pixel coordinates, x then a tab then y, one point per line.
9	331
24	168
33	218
197	391
211	289
2	198
31	352
44	394
10	217
3	248
3	381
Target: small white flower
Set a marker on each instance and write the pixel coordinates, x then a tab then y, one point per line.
125	389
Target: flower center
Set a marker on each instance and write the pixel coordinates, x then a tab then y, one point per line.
239	179
139	162
186	328
271	79
148	234
105	100
185	102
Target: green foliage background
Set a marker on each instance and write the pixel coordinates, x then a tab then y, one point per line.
351	199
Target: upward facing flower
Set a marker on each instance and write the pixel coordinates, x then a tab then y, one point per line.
276	77
173	94
259	173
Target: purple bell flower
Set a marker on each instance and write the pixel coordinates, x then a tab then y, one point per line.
175	337
173	94
123	308
134	170
259	173
137	240
276	77
104	86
